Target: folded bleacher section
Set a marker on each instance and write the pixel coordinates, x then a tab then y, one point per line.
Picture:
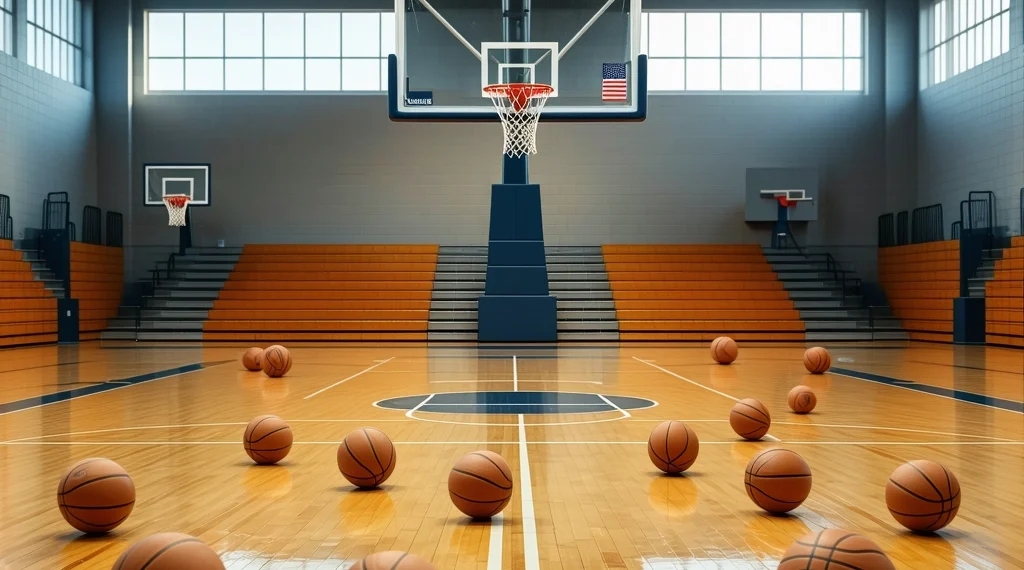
28	311
1004	298
97	281
921	281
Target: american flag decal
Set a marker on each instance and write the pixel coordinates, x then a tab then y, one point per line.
613	82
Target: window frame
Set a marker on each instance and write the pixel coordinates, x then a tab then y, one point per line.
760	57
944	58
305	89
64	28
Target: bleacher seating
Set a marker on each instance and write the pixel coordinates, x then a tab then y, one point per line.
921	281
28	312
699	292
279	293
97	281
1004	298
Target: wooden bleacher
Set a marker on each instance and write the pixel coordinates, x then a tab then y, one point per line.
699	292
97	281
326	292
921	281
28	312
1004	298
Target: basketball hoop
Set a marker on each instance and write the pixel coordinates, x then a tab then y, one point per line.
176	206
519	106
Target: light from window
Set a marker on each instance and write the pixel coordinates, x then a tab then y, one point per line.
7	26
749	51
54	40
272	51
961	35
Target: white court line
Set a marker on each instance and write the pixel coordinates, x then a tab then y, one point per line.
844	426
334	443
771	437
685	379
494	548
515	374
356	375
624	413
410	413
531	554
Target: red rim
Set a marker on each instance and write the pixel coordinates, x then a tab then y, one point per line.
178	201
519	89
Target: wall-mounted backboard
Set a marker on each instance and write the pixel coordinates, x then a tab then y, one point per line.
192	180
762	207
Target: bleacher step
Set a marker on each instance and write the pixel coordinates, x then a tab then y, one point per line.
588	326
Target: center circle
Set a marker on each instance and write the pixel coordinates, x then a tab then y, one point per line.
504	402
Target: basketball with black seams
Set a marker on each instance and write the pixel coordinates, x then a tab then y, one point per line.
801	400
923	495
96	495
750	419
367	457
724	350
480	484
817	360
267	439
673	447
277	361
169	551
836	549
253	359
393	560
778	480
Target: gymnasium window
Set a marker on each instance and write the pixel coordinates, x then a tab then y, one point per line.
7	26
962	34
54	41
268	51
752	51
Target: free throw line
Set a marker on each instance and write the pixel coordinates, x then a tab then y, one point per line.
356	375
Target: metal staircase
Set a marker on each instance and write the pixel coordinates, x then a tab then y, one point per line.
987	270
458	281
184	289
42	271
577	277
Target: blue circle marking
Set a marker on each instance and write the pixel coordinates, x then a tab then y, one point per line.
515	403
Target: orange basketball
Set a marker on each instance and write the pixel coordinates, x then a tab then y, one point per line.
393	560
277	361
253	359
778	480
922	495
267	439
835	548
169	551
673	447
480	484
801	400
724	350
96	495
750	419
817	360
366	457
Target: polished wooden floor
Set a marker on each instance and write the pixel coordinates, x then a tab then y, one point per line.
593	500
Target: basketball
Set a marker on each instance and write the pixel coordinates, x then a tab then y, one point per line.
277	361
724	350
750	419
366	457
778	480
393	560
817	360
835	548
169	551
801	399
922	495
480	484
267	439
673	447
96	495
253	359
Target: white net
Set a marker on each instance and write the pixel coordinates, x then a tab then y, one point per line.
519	106
176	207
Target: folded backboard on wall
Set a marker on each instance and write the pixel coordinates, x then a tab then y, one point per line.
759	209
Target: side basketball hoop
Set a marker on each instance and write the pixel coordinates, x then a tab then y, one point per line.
176	207
519	106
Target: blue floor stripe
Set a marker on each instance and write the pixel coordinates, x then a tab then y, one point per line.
97	388
961	395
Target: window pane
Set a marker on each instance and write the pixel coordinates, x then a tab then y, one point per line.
62	61
383	75
31	47
823	75
387	34
30	12
852	75
1006	5
1005	35
986	9
283	36
325	75
957	62
666	74
166	34
741	35
243	74
997	29
243	35
703	74
204	74
973	48
166	74
780	75
852	34
667	35
360	35
823	35
702	36
204	35
986	41
283	74
741	74
360	75
780	35
972	14
957	15
644	32
323	34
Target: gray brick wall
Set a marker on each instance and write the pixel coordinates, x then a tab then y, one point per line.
971	134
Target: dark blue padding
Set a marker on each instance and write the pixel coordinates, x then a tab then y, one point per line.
505	402
516	213
515	252
508	318
550	114
972	397
969	320
516	280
